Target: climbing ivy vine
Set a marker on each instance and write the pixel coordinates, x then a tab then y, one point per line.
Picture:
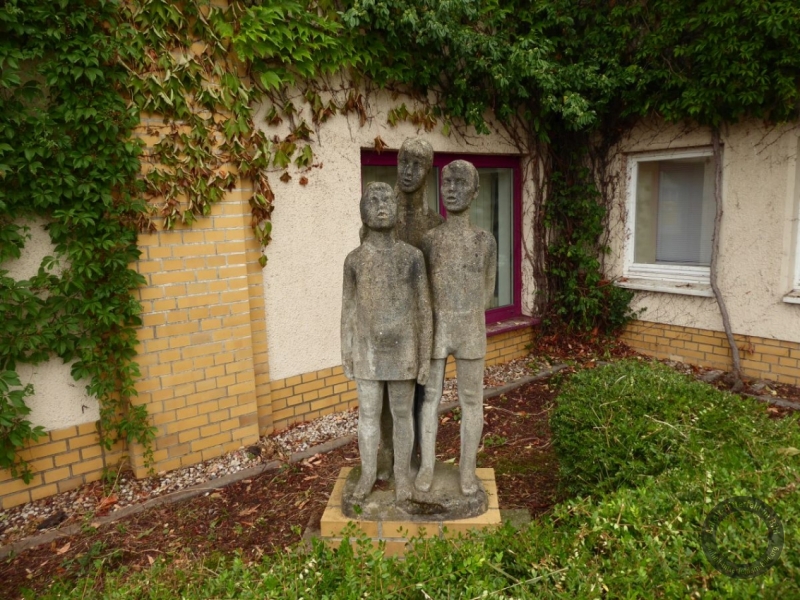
116	115
67	156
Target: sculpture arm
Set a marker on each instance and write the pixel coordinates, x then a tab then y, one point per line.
490	272
424	318
348	317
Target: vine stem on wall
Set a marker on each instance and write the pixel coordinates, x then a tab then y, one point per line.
714	271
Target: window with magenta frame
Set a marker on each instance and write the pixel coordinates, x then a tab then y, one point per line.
497	209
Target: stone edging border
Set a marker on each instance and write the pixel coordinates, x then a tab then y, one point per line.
324	448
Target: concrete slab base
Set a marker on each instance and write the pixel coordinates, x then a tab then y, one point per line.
396	534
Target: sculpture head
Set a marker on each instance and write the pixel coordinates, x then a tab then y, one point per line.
414	161
460	183
379	206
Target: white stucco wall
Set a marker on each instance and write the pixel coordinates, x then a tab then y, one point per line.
758	243
315	226
58	401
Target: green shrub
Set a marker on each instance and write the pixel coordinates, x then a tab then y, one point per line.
618	423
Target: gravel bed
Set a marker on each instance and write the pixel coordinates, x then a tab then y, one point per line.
95	499
303	436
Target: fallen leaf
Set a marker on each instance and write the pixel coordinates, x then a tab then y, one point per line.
285	178
150	559
303	181
107	502
64	548
790	451
248	511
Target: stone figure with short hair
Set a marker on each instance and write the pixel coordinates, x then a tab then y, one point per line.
462	263
386	335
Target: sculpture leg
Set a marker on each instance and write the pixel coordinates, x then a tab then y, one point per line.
386	450
401	398
429	424
469	374
369	414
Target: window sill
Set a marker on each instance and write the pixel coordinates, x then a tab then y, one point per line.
512	324
792	297
667	287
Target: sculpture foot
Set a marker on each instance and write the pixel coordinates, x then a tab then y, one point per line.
363	487
402	491
469	482
424	479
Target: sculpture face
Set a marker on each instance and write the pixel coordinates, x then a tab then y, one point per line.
412	168
459	186
379	207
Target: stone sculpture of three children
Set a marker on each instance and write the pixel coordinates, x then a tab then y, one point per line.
414	294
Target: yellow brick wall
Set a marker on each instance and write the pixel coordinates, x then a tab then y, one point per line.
62	460
202	348
311	395
763	358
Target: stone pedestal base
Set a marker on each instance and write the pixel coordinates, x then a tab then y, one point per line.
381	521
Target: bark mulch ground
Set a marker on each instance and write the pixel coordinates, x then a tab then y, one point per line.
265	514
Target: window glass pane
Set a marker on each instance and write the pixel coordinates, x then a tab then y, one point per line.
646	213
493	211
674	212
388	174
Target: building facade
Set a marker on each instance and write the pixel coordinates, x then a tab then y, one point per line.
661	235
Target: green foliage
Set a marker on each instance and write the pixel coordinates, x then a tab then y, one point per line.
621	423
712	62
515	59
15	429
180	65
582	299
66	155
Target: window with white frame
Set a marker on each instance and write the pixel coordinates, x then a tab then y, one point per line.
671	216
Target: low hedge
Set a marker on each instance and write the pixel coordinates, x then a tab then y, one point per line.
616	424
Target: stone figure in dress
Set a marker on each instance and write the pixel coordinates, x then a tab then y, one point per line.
386	335
461	261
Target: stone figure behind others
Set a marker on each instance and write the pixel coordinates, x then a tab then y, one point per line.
386	335
414	220
462	262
